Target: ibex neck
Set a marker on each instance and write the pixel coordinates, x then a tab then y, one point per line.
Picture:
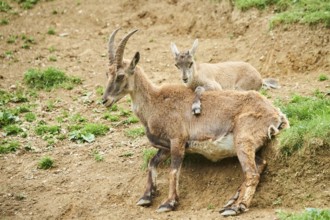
142	95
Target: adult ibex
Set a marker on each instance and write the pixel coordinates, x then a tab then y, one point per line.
233	124
233	75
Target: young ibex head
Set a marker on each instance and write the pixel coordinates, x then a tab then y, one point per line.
120	71
184	61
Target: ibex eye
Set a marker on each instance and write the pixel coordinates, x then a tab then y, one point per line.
120	77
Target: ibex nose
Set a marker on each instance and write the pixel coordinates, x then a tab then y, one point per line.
185	80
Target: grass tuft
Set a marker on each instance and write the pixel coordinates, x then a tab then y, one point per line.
323	77
309	213
310	123
135	132
87	132
49	78
46	163
147	155
8	147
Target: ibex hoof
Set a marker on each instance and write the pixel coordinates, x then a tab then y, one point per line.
165	208
144	202
196	111
229	212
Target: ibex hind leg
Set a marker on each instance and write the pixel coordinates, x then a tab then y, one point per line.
252	166
151	188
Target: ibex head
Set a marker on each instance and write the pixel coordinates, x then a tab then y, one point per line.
184	61
120	71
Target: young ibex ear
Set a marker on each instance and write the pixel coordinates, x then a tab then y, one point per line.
133	63
194	47
174	49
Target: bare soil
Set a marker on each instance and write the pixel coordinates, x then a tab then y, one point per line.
78	187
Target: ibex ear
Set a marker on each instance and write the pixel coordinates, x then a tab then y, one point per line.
133	63
174	49
192	51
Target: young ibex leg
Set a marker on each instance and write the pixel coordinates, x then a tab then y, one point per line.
177	154
150	191
252	168
196	106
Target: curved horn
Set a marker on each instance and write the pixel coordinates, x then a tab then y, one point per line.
120	50
112	45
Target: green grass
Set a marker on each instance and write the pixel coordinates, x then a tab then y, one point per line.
27	4
110	117
45	163
98	157
8	147
4	21
147	155
12	129
310	123
99	90
7	118
49	78
51	31
87	132
323	77
52	58
131	120
292	11
308	214
4	6
47	129
135	132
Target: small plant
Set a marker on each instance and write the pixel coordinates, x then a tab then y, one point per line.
4	21
135	132
99	90
7	117
4	6
12	129
147	155
46	163
51	49
12	39
50	105
309	213
47	129
48	78
97	156
210	207
114	108
78	118
323	77
110	117
51	31
131	120
7	147
87	132
30	117
127	154
124	112
52	58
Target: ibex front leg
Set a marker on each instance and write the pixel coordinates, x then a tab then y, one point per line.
196	106
177	154
161	156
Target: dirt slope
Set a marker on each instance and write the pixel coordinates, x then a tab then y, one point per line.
81	188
